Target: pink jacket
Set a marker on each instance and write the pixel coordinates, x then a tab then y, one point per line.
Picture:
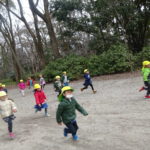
22	86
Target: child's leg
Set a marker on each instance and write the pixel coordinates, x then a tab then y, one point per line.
92	88
75	125
85	87
22	92
71	129
148	90
10	125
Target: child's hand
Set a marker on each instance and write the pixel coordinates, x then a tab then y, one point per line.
60	123
14	110
39	105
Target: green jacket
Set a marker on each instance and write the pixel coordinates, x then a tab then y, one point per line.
146	74
66	110
57	86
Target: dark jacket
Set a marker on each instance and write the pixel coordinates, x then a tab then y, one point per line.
87	79
66	110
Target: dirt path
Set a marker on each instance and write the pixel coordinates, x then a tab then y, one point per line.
119	119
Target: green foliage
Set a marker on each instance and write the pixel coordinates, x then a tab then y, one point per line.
117	59
142	56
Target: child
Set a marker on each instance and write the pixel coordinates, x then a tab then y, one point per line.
22	87
66	112
7	110
57	85
146	78
42	82
88	81
1	88
4	88
30	82
64	79
40	99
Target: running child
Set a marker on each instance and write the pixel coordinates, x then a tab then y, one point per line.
40	99
22	87
42	82
57	85
7	110
88	81
64	79
146	78
66	112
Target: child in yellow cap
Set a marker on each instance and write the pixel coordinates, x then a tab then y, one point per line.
88	81
4	88
7	110
57	85
65	79
66	112
22	87
146	78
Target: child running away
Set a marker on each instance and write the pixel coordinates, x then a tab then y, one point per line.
66	112
146	78
22	87
64	79
7	110
57	85
42	82
88	81
40	99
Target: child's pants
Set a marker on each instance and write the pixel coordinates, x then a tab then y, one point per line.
22	92
91	85
9	121
72	127
147	87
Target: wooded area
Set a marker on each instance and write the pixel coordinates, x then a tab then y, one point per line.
60	28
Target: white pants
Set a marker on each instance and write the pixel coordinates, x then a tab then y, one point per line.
22	92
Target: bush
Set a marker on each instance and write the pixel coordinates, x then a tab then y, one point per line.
117	59
142	56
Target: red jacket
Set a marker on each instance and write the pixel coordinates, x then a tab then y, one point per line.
39	97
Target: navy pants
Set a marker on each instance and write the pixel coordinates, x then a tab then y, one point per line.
72	127
9	120
147	87
86	86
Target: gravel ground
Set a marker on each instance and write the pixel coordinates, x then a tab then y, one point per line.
118	118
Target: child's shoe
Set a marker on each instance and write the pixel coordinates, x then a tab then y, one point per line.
94	92
11	135
81	89
47	114
75	138
147	97
141	89
65	133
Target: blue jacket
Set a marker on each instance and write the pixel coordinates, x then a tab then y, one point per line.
87	79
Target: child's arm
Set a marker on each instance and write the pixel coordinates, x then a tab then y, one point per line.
58	113
81	109
13	105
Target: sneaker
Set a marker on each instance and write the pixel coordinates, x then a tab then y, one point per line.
147	97
141	89
94	92
75	138
11	135
65	133
47	115
81	89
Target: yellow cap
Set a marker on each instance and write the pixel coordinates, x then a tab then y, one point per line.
66	88
3	85
37	86
86	70
146	63
21	80
57	77
64	72
2	93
